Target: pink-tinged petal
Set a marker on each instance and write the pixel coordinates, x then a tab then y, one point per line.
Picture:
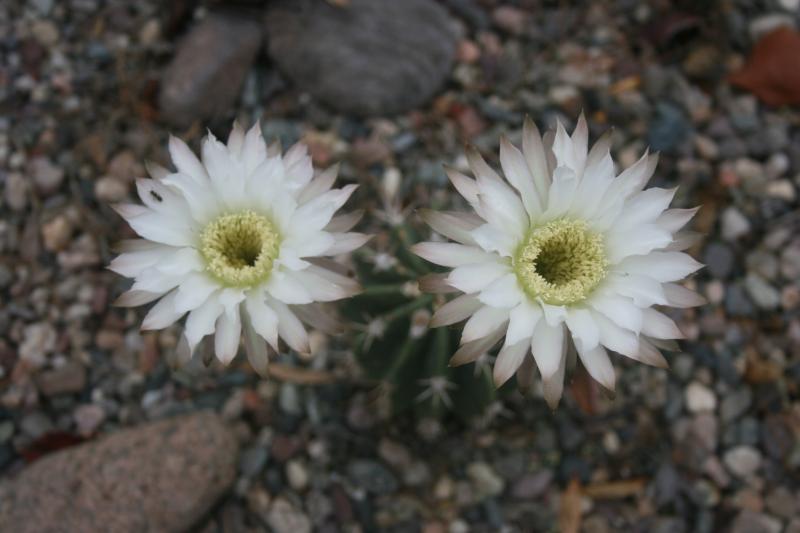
613	337
659	325
650	355
533	150
162	314
553	387
290	328
254	149
598	365
504	292
674	219
519	175
493	239
287	289
255	347
644	208
508	361
451	254
200	322
636	242
264	318
455	310
227	336
635	177
136	298
522	321
236	139
501	206
483	322
319	288
470	351
553	314
475	277
618	309
466	187
435	283
683	240
680	296
344	222
548	348
454	226
562	192
583	328
193	290
319	185
347	242
156	171
661	266
185	161
644	291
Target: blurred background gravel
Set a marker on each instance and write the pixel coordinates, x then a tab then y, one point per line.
90	89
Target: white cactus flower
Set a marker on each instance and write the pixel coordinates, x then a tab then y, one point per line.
236	242
562	252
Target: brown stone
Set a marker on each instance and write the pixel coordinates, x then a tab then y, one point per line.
67	379
205	77
161	476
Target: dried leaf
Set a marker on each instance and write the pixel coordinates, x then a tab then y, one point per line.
301	376
584	390
772	71
49	443
569	514
613	490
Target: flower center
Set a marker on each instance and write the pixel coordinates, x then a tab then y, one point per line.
561	262
239	248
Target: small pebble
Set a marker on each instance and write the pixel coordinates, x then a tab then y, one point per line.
700	398
742	461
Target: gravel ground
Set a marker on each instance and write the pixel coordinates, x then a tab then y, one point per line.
89	90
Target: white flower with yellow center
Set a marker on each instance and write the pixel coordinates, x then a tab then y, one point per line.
568	255
237	242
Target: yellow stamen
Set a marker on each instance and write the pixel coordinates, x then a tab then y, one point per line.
561	262
240	248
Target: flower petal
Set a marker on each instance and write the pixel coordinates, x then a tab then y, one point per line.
522	321
547	346
475	277
290	328
228	333
508	361
483	322
504	292
450	254
455	310
661	266
519	175
453	225
162	314
583	328
598	365
659	325
263	317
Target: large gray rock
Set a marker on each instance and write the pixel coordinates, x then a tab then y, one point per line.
162	477
368	57
205	77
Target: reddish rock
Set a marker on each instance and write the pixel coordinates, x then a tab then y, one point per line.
162	476
772	71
